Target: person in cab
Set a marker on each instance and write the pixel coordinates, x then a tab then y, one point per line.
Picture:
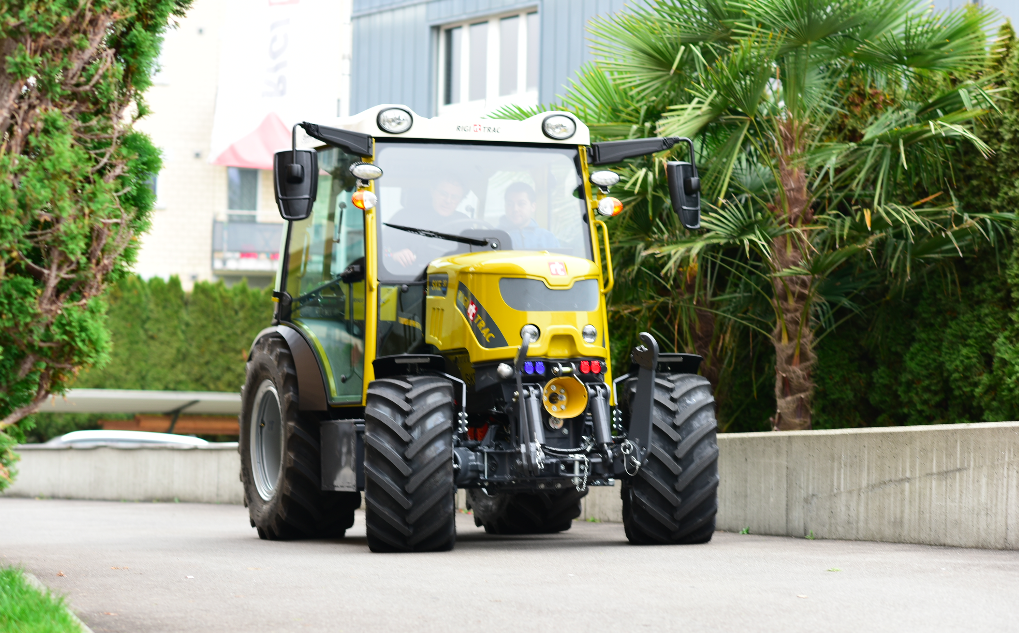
519	220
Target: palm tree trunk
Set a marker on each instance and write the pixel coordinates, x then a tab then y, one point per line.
793	336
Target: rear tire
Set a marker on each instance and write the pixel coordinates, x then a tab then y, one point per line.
524	512
279	452
674	496
410	494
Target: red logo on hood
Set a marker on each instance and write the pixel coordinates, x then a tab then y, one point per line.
557	269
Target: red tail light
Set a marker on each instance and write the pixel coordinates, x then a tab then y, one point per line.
595	367
585	367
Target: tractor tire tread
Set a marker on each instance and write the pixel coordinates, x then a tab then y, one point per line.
409	484
526	512
299	508
673	497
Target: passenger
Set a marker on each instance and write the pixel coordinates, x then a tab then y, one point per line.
519	220
446	195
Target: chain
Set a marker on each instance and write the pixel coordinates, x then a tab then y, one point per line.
540	456
462	416
581	487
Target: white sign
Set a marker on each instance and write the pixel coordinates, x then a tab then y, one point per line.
279	65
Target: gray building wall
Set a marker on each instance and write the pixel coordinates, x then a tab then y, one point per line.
395	45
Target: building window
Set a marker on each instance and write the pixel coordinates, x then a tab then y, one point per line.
489	63
242	194
153	185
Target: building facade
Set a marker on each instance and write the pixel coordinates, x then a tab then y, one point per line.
215	215
443	57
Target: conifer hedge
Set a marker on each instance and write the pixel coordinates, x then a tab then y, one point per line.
163	338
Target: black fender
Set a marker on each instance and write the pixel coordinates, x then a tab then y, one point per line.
311	384
402	364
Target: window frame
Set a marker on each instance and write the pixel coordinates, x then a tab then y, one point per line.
249	215
493	64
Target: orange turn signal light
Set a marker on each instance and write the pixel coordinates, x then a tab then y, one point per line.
364	200
609	206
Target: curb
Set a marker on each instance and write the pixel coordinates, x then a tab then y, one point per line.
35	582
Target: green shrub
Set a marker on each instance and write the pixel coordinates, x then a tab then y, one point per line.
163	338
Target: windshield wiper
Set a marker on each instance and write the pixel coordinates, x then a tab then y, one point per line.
473	241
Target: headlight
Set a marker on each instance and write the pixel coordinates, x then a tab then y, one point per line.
609	207
531	330
604	179
395	120
365	171
559	127
589	334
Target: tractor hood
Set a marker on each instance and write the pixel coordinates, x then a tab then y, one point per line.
479	302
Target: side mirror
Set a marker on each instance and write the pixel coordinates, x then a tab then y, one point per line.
685	192
353	273
295	175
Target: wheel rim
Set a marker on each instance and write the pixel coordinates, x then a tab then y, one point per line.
266	440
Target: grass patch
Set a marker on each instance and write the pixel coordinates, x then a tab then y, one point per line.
25	609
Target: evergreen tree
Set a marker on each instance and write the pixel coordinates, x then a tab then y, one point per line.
73	183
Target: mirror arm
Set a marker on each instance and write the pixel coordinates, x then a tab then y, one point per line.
617	151
353	142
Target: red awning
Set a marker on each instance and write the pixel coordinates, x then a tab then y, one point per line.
256	149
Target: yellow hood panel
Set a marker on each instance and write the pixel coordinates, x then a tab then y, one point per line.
465	308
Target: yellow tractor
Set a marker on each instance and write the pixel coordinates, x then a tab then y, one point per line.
440	324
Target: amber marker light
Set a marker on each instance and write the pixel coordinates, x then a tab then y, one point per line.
610	207
364	200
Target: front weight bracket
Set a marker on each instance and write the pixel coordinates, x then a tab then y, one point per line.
645	356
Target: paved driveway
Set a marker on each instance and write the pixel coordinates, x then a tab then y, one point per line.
139	567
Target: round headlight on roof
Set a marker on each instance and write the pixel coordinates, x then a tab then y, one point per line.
559	127
395	120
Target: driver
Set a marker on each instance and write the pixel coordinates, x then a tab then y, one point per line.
519	220
446	195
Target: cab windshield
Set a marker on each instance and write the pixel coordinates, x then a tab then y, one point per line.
520	198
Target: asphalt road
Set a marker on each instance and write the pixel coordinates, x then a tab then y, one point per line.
139	567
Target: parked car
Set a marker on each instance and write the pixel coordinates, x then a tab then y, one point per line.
91	439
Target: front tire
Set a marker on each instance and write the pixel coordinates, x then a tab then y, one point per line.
674	496
410	493
524	512
279	450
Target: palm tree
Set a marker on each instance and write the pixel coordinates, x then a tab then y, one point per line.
826	132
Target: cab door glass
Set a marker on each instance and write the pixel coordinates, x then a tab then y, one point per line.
325	306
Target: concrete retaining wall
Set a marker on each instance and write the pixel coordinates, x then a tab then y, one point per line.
204	475
955	484
940	485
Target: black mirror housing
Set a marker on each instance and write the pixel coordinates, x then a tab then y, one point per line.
295	176
685	192
353	273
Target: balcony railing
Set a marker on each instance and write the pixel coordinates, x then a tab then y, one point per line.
245	247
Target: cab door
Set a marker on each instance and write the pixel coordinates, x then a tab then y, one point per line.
324	254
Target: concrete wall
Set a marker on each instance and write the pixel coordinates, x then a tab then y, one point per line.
202	475
954	485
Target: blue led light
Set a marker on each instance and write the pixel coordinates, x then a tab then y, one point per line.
528	367
539	367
